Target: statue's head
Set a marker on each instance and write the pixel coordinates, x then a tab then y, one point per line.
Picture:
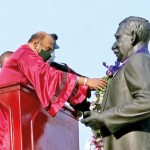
132	32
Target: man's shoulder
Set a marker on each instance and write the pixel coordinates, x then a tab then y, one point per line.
24	50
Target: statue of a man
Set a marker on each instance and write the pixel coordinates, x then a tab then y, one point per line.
125	117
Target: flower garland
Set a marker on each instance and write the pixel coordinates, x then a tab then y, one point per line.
97	141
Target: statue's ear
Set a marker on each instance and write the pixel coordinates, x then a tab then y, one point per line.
135	38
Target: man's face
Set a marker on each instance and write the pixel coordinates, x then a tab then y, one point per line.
123	45
46	47
47	43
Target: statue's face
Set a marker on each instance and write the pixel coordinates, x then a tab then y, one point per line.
123	45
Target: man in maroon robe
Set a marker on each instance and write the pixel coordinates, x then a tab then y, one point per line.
52	86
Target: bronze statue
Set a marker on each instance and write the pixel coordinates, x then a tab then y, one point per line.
125	117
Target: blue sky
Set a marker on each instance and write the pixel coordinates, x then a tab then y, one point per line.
85	29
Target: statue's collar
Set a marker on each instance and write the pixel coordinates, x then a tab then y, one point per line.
141	50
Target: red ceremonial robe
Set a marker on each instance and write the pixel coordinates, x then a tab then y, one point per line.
52	86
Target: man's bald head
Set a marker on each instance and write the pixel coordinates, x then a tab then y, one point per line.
4	57
41	40
38	36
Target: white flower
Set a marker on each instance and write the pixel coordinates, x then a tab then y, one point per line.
96	105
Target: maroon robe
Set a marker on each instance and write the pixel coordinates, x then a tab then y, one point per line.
52	86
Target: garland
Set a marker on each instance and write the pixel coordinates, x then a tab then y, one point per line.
97	141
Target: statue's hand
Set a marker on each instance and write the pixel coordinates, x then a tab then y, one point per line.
93	119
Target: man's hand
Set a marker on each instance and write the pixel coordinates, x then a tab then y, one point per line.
93	83
93	119
96	83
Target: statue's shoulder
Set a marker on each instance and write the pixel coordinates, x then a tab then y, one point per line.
138	60
139	57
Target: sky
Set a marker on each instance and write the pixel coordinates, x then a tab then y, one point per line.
85	30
